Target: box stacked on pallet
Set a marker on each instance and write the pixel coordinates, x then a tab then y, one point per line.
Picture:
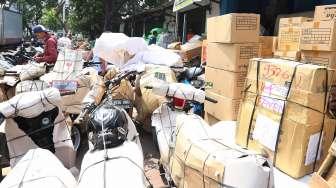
232	41
290	31
283	114
268	46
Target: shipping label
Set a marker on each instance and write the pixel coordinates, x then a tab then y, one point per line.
312	149
266	131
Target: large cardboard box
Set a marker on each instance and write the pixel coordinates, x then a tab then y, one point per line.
304	84
289	55
268	45
289	34
318	36
231	57
296	138
225	83
204	51
233	28
325	13
210	119
319	58
226	109
292	22
200	160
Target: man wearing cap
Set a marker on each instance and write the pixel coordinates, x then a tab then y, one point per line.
50	46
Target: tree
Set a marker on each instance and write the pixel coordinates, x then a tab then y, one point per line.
50	19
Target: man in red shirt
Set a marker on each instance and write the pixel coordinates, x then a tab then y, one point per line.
50	46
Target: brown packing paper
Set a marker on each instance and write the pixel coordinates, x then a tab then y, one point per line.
288	55
323	58
325	13
318	35
233	28
226	109
231	57
275	75
225	83
297	140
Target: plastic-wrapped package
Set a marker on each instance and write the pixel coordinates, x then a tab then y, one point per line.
117	48
39	168
30	85
199	160
180	90
29	71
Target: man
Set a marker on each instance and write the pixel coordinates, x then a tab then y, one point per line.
50	46
153	38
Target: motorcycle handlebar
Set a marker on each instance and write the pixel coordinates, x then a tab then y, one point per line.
148	87
116	80
68	93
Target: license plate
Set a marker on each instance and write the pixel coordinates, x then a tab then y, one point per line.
122	103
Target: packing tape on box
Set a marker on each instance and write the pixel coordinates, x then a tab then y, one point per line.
315	48
316	54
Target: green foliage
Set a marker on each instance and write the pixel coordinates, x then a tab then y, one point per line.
49	19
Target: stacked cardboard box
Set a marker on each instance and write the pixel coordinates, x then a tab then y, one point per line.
283	114
232	41
318	43
289	38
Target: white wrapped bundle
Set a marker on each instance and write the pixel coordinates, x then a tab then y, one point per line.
117	48
68	65
31	104
30	85
180	90
39	168
30	71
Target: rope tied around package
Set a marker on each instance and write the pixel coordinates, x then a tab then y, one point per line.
208	155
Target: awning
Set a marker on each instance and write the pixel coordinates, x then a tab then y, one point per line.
184	5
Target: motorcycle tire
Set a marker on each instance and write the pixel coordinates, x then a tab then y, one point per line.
76	137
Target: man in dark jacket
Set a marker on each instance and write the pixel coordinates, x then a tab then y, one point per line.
50	46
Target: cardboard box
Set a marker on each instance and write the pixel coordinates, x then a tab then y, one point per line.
204	51
191	50
226	109
319	58
318	182
290	33
200	160
174	46
318	36
308	85
289	133
325	13
289	55
233	28
267	46
225	83
231	57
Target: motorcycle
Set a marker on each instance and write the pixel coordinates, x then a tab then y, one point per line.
35	120
180	100
113	143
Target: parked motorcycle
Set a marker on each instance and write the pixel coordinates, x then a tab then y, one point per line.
180	100
114	146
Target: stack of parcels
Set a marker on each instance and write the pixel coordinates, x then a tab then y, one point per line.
326	175
318	42
200	160
289	36
232	41
283	114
